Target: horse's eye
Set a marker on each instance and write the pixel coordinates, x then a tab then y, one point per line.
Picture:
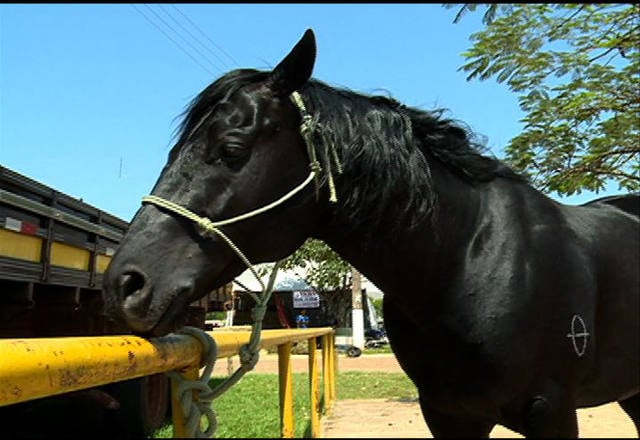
232	155
234	151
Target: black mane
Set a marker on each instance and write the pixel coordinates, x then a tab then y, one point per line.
385	147
218	91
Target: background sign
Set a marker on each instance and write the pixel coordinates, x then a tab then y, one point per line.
305	299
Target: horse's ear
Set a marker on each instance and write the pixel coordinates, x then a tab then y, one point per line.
296	68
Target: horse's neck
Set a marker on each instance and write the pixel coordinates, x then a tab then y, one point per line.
387	258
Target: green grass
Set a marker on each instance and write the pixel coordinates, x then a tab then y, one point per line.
373	385
251	408
384	349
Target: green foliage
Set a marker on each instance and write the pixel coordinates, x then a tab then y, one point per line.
250	409
377	305
217	315
576	68
325	269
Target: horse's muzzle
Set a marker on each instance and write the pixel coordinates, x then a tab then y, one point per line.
129	293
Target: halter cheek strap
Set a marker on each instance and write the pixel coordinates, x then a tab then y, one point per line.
308	129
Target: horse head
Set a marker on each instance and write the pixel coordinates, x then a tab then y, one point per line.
236	188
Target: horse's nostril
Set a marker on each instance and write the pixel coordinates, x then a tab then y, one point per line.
135	292
130	283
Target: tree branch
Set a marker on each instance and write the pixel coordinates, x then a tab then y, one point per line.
622	39
565	21
630	152
581	169
617	173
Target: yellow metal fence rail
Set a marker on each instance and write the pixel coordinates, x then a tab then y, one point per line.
32	368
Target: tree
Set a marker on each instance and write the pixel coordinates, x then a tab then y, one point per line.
576	69
328	273
324	268
377	305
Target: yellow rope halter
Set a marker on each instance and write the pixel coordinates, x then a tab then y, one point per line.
209	227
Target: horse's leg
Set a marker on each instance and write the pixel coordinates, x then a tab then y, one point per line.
444	425
551	416
632	407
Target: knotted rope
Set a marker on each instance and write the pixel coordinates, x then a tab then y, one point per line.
195	406
310	128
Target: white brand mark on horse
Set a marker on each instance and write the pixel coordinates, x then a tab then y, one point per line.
580	332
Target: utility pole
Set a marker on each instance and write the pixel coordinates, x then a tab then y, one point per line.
357	312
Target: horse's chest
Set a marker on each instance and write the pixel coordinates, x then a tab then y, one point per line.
458	370
458	351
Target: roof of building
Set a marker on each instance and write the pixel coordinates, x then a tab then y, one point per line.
293	280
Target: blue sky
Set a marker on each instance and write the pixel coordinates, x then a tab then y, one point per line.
90	95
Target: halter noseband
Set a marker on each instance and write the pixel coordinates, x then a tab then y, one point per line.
208	227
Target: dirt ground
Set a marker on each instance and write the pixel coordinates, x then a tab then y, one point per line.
393	419
381	418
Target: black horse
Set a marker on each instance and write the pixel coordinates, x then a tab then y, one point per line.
628	202
502	305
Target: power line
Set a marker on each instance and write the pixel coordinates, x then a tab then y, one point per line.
183	38
205	35
192	36
172	40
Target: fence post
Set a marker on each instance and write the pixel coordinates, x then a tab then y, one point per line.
179	421
326	371
286	390
314	388
334	367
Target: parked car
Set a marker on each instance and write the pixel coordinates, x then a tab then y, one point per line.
375	338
